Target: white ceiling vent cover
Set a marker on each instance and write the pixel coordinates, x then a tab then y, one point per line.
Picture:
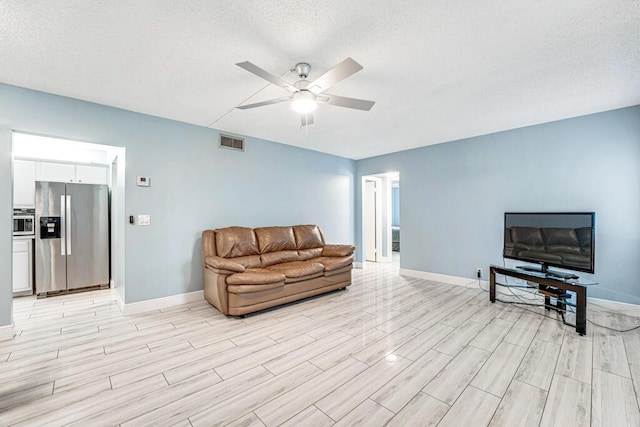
231	143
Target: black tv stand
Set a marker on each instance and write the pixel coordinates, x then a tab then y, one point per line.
545	270
550	287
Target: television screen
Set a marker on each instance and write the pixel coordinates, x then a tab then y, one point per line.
564	240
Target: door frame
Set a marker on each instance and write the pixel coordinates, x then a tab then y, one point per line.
383	214
378	218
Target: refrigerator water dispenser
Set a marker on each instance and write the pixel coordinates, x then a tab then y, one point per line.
50	227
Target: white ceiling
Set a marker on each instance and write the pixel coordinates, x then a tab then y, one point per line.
438	70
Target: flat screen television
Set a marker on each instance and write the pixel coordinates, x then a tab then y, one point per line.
558	239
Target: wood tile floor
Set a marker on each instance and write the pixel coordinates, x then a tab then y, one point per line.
389	351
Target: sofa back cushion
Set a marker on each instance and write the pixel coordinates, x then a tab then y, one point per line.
527	238
560	236
308	236
234	242
272	239
561	240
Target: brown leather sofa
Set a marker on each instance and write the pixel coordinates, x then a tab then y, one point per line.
247	270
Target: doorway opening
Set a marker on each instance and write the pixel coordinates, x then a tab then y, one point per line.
381	218
39	158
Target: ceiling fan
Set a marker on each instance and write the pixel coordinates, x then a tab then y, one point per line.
305	95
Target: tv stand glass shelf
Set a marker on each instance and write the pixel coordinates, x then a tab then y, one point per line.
551	287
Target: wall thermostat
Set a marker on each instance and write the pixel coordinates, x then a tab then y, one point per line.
143	181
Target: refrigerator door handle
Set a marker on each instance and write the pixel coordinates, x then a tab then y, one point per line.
63	224
68	231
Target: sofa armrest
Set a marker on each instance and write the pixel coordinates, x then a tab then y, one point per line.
220	263
338	250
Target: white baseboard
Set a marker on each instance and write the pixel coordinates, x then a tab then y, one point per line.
357	265
618	306
119	300
444	278
6	332
160	303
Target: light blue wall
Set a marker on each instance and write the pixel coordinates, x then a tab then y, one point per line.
194	185
6	226
395	205
454	195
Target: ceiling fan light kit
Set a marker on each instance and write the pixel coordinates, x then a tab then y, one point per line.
306	95
304	102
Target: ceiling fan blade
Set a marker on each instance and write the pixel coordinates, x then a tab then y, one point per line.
343	101
306	119
266	75
263	103
334	75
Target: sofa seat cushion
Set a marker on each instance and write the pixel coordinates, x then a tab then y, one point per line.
334	263
540	256
563	249
296	271
250	261
583	261
278	257
347	269
256	276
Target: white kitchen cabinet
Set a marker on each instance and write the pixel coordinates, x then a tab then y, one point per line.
24	183
92	174
55	172
64	172
22	278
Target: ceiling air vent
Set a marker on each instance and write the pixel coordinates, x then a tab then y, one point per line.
231	143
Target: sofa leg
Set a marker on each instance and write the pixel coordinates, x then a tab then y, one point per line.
237	316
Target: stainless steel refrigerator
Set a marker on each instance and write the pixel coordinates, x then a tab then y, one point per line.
72	236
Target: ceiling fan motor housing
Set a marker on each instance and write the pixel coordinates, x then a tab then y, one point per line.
303	70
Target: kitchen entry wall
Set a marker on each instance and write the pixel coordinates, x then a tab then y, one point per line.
195	185
6	234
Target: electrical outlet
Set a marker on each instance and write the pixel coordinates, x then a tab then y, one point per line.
478	272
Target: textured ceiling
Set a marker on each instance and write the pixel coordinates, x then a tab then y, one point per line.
438	70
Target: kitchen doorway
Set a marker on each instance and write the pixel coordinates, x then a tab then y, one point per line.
41	158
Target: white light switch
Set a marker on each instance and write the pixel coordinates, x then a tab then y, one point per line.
143	181
144	219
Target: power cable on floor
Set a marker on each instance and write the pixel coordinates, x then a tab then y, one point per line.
523	302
